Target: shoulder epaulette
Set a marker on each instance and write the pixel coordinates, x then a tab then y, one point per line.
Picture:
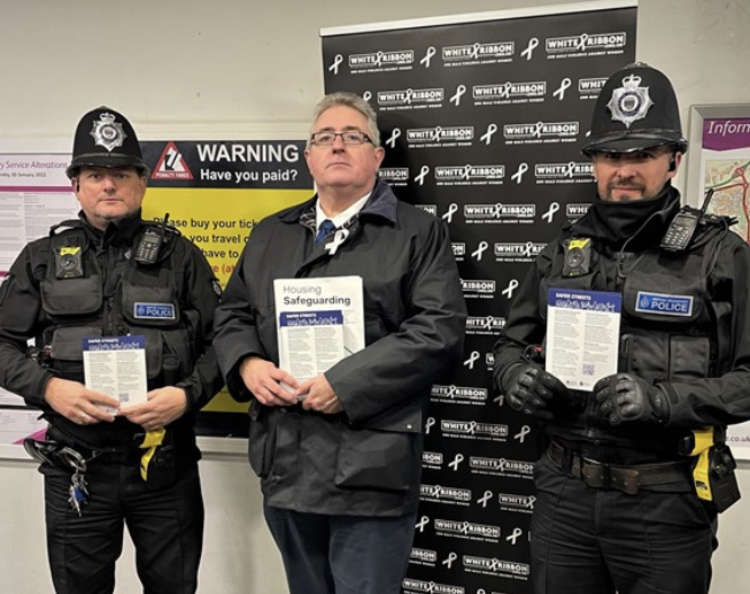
718	220
65	226
168	228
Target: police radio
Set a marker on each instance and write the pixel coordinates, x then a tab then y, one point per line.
147	250
683	226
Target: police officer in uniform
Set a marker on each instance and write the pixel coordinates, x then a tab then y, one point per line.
108	274
621	502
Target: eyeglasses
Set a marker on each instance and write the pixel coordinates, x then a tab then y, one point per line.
348	137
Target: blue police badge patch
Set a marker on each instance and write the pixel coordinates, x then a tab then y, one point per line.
630	102
153	311
664	305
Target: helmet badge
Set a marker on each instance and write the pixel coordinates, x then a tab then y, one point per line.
107	132
630	102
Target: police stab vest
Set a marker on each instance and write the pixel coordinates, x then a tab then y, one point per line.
145	302
672	327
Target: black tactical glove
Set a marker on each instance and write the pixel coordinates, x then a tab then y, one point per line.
624	397
530	389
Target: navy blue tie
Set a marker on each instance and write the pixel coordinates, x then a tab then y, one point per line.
325	229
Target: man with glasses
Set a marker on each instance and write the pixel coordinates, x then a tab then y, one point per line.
636	467
339	454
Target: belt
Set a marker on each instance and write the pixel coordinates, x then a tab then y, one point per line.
628	479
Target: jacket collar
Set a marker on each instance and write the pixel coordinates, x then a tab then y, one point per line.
120	231
382	203
602	220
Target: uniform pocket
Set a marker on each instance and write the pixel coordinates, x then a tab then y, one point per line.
72	296
260	441
149	306
377	459
67	342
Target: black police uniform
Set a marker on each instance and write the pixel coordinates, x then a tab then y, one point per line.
616	508
83	282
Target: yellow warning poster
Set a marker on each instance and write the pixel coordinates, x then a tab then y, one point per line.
215	192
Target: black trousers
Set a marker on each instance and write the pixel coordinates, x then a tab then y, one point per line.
342	554
166	526
598	541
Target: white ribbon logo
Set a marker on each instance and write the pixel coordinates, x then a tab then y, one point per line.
431	51
521	435
518	175
448	215
533	44
456	98
429	422
473	358
564	85
581	44
367	95
481	248
513	536
456	461
512	286
485	498
448	561
334	67
423	521
553	208
424	170
486	138
395	135
569	169
338	238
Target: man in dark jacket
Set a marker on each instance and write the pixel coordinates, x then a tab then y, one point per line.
619	505
339	453
111	274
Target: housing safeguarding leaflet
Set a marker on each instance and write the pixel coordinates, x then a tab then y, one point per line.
583	335
319	321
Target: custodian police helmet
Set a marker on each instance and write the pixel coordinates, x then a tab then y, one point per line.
105	138
636	110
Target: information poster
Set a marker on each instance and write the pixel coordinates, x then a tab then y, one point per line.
725	168
35	194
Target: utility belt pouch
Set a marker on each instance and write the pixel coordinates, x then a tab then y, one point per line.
713	470
722	478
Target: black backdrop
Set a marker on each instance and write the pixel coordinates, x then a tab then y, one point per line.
482	122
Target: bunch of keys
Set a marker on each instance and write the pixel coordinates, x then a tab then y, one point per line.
78	490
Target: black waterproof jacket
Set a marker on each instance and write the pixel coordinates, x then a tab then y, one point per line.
366	460
59	313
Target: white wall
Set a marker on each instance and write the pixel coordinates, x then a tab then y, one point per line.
239	64
239	556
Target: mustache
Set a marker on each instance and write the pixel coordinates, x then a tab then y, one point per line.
625	184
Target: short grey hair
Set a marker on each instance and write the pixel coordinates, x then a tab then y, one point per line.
348	100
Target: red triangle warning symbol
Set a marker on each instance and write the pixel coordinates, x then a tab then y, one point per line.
171	165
